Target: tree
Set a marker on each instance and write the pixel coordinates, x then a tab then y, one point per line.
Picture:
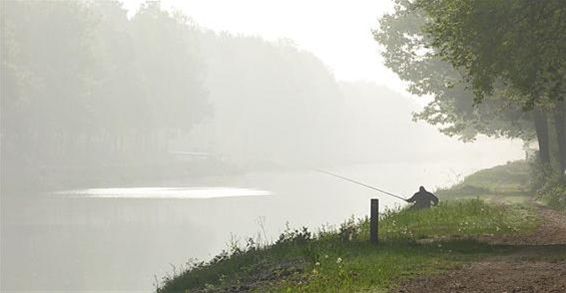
409	53
43	60
83	85
515	44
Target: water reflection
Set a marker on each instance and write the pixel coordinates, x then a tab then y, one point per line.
163	192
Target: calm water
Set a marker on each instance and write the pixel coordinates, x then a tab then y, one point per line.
119	239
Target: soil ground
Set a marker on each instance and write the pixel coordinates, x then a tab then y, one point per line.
538	264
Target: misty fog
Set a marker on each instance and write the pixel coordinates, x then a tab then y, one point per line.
130	143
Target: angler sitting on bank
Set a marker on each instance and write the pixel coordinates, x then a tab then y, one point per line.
423	199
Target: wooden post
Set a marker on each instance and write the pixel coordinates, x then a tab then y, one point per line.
373	221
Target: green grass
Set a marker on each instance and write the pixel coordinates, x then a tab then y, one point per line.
461	218
452	227
412	243
511	177
362	266
509	183
344	260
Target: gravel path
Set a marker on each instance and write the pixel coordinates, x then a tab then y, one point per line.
539	265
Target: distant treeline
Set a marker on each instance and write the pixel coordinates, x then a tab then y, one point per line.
86	86
83	84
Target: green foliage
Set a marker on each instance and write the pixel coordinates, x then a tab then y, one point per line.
486	63
512	178
519	43
350	230
254	263
554	193
410	53
296	236
513	182
500	178
539	174
548	186
343	260
457	218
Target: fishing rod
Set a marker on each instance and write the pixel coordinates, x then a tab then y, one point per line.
360	183
349	180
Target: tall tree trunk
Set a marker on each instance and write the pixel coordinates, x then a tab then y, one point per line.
541	127
560	126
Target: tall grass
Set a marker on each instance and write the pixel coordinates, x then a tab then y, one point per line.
344	260
467	218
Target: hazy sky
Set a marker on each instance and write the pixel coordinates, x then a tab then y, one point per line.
337	31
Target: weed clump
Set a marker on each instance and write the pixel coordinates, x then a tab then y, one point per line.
553	192
549	185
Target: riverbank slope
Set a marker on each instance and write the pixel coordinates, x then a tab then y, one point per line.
488	216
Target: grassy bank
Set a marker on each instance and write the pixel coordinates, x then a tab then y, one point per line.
412	243
514	182
509	182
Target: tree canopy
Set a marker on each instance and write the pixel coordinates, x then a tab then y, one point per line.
517	43
410	52
487	64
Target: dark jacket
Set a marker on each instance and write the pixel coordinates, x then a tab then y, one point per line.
423	199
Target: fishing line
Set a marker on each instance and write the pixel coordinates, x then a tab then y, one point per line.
360	183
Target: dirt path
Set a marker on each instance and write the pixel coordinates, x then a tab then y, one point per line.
539	265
